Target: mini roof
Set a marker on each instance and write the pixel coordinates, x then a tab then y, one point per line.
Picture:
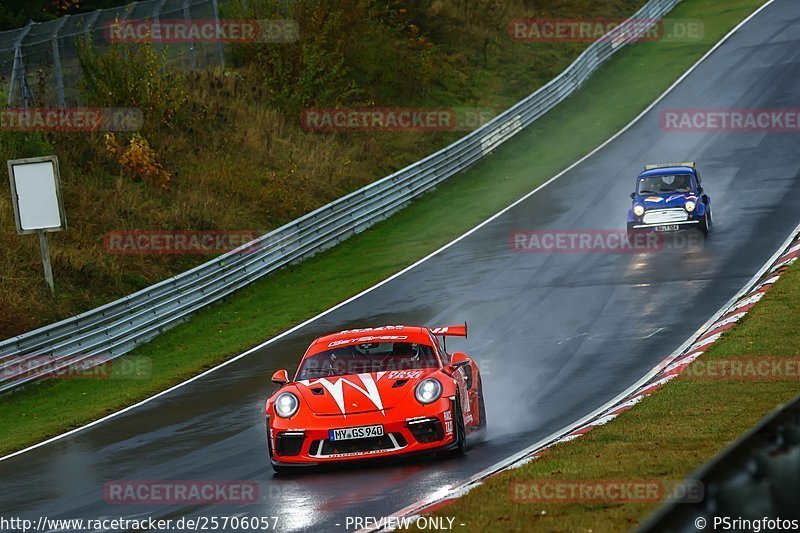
667	169
689	164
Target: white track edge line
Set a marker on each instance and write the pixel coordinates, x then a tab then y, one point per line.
397	274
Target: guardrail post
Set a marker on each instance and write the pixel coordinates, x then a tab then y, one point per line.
220	52
62	102
90	24
157	20
187	19
18	76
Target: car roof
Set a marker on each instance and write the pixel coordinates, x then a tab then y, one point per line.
666	171
415	334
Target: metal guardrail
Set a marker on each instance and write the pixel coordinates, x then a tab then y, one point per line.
116	328
755	478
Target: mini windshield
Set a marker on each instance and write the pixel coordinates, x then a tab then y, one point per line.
665	184
371	357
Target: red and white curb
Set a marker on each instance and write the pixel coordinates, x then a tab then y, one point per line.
668	369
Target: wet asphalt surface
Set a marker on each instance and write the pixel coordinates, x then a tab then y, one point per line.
556	335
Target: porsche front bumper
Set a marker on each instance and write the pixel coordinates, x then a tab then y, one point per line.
425	429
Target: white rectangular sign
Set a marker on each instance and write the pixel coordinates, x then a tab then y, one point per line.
35	194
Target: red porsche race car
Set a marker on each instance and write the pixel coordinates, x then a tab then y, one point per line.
375	392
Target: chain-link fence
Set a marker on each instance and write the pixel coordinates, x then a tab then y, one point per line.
39	62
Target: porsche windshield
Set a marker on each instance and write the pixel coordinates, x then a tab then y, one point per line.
665	184
371	357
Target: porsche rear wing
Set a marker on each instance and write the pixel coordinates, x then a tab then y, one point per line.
451	331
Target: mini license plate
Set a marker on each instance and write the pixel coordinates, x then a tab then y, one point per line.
362	432
671	227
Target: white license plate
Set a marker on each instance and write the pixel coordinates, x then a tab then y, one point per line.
362	432
672	227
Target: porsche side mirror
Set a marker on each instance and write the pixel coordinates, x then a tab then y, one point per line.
459	359
633	195
281	377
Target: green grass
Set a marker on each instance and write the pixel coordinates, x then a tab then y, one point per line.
612	97
664	437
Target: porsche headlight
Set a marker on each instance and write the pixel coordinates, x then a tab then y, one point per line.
638	210
429	390
689	206
286	404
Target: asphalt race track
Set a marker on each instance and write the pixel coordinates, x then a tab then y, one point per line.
556	335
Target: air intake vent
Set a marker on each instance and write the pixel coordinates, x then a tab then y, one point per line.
399	383
319	391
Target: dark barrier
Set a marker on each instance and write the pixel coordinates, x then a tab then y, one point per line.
753	485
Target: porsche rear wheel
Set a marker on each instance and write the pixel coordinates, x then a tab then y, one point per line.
481	408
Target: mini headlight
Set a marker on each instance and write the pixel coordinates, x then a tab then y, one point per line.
638	210
286	404
428	390
689	205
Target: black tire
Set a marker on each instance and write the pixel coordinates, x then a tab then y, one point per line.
632	233
481	407
704	225
460	444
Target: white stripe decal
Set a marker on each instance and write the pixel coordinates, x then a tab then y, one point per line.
336	390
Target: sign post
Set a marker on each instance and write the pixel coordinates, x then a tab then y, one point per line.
36	197
48	269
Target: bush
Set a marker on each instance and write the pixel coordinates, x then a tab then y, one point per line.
18	145
138	160
349	53
133	75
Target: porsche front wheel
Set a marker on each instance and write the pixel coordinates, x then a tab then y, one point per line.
460	443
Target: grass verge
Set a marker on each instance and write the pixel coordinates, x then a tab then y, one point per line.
665	437
612	97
